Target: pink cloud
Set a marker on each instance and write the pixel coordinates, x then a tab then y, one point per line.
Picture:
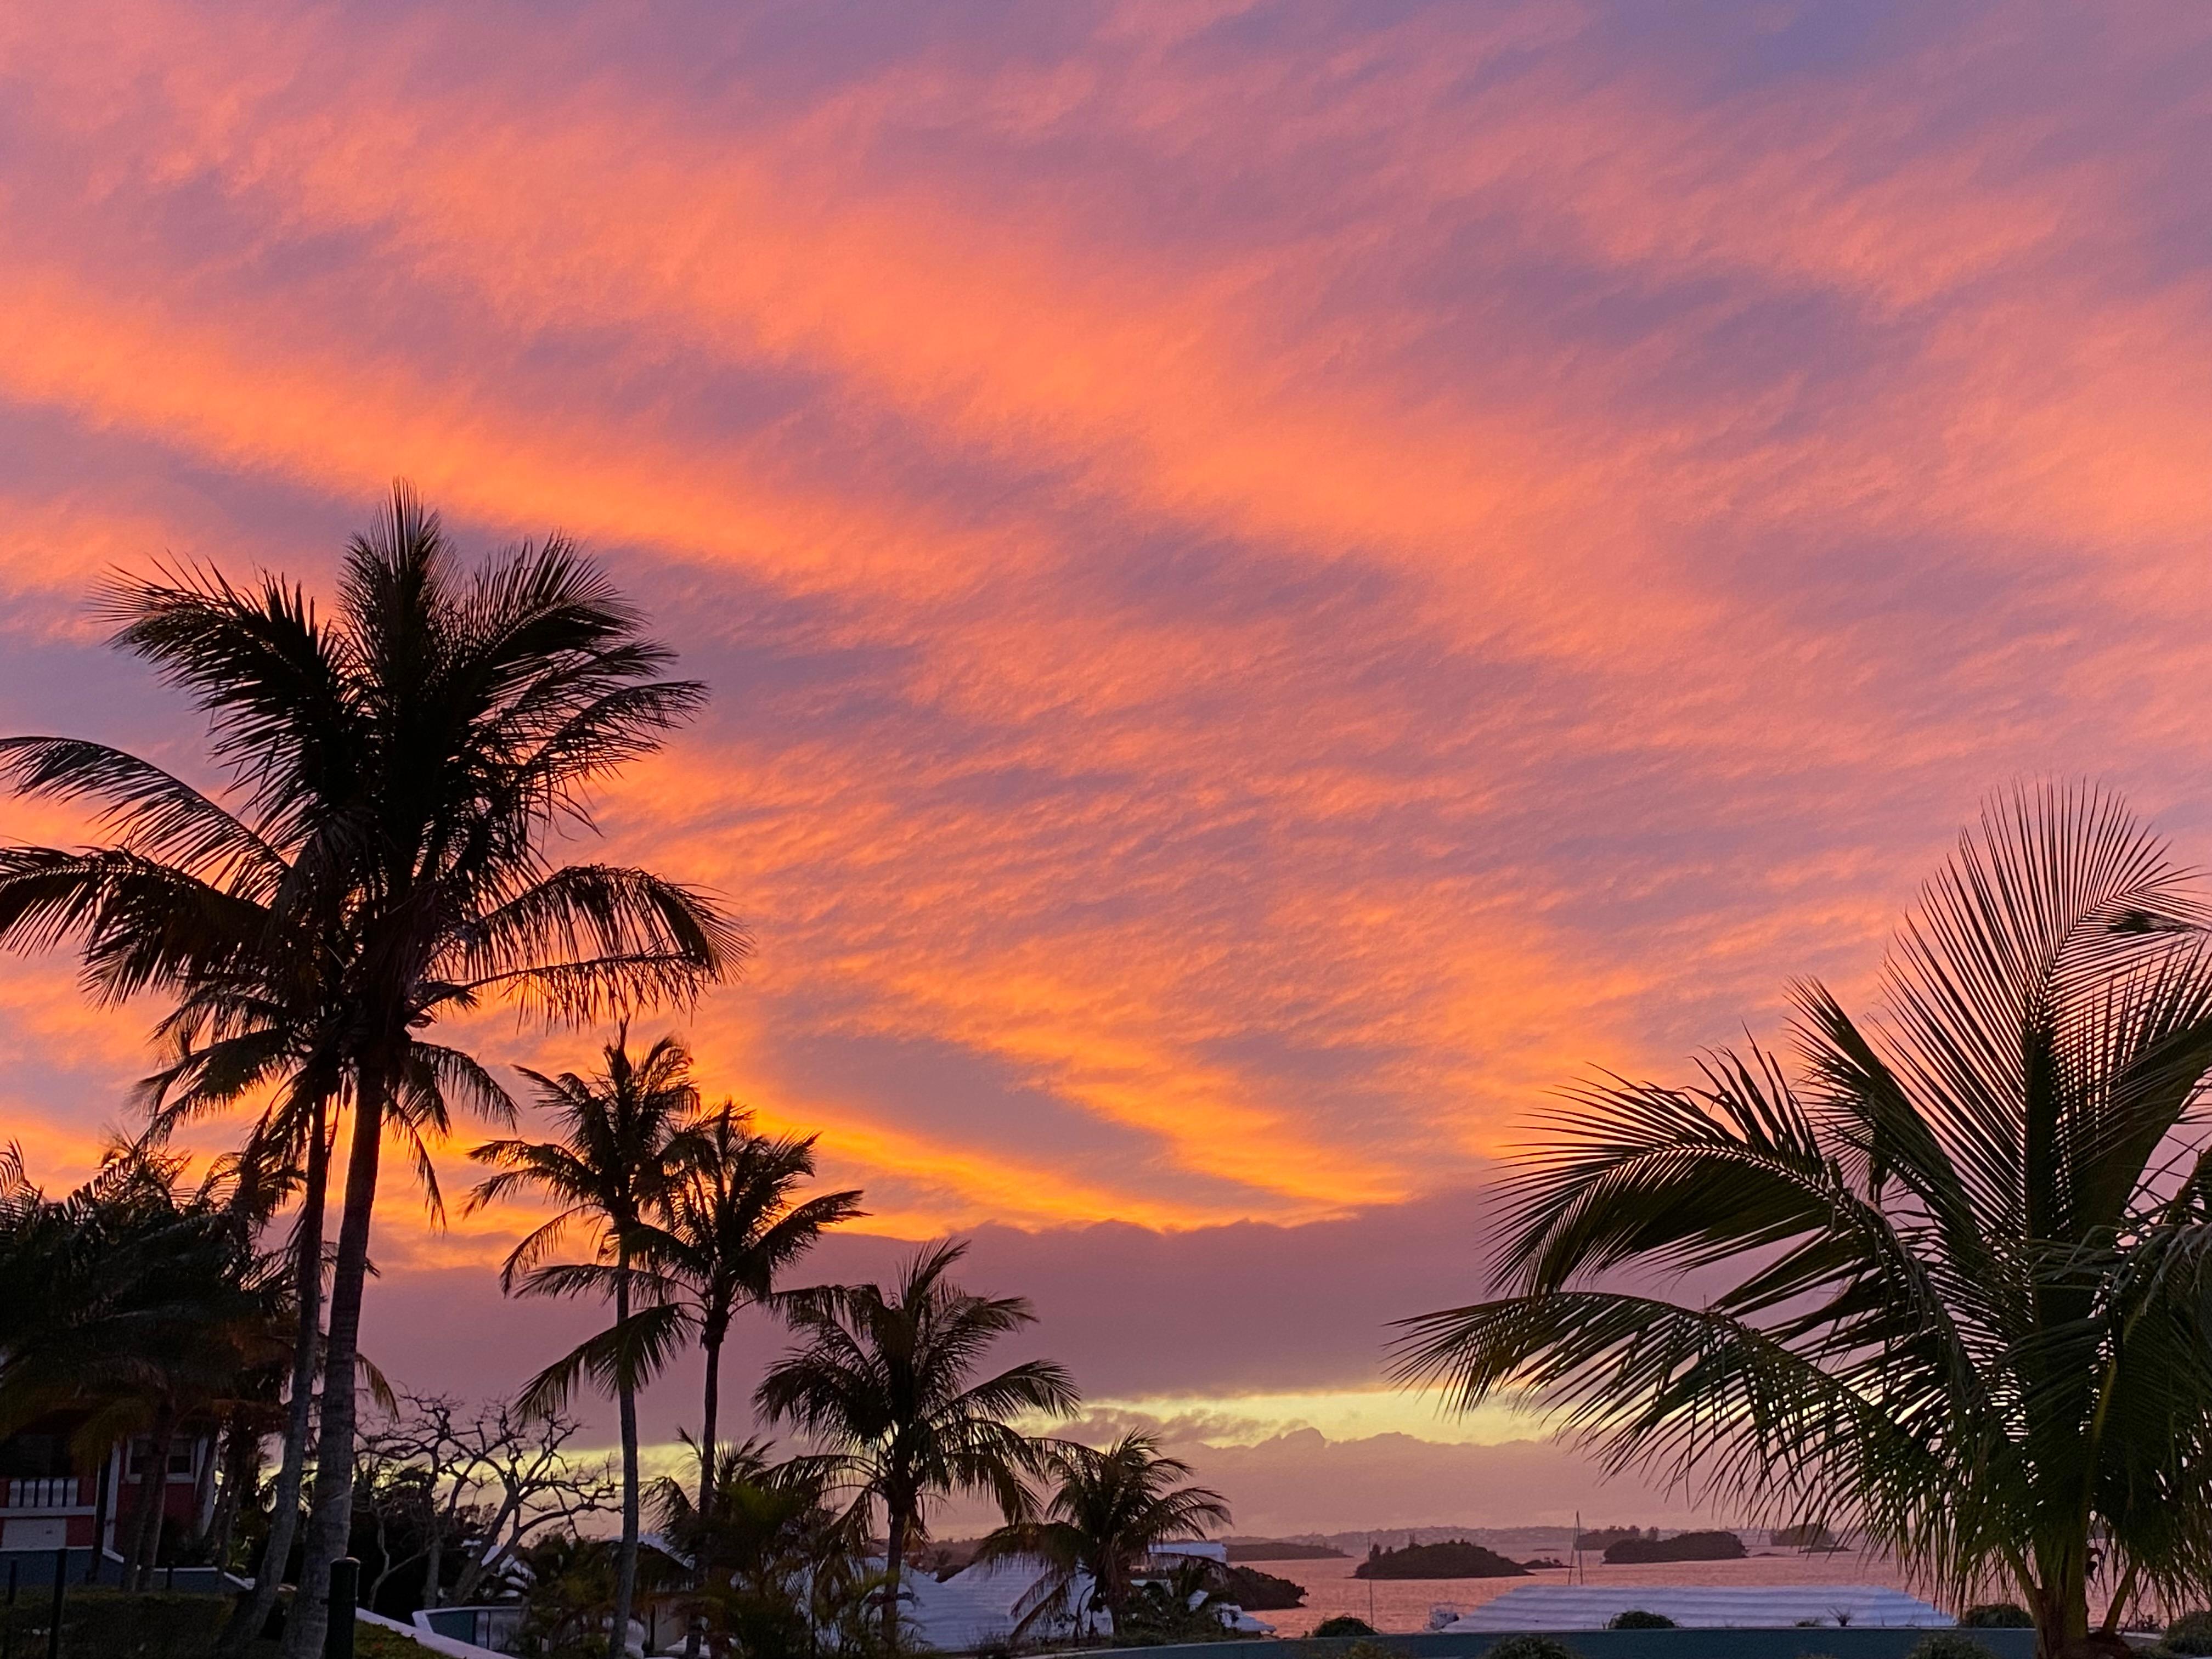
1277	579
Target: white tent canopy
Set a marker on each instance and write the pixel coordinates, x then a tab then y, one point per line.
1698	1606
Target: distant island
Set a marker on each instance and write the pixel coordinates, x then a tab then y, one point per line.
1600	1537
1281	1549
1455	1557
1682	1547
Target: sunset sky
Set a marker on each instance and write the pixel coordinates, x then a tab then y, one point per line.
1278	579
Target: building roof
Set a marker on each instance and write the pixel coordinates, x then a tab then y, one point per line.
1700	1606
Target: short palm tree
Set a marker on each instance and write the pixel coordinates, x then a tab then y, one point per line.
1107	1512
788	1566
718	1242
395	764
622	1149
1961	1248
723	1235
885	1381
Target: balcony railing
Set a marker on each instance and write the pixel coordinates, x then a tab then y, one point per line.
58	1492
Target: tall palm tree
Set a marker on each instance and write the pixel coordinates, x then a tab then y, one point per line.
1108	1510
395	764
278	1017
622	1147
1961	1248
885	1380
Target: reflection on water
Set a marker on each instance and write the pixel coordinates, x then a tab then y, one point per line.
1403	1604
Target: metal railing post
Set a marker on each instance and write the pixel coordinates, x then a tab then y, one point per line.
61	1592
345	1589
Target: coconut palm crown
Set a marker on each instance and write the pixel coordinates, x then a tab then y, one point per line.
885	1379
1955	1258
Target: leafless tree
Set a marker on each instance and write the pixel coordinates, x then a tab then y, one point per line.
481	1479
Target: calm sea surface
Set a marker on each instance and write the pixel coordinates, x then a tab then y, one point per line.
1403	1604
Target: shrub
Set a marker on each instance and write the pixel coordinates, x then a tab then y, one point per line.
1367	1648
1529	1645
1949	1645
127	1625
1996	1616
1637	1619
2192	1633
1344	1625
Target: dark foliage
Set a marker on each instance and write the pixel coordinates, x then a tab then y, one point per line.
1529	1645
1158	1612
2191	1634
105	1624
1949	1645
1637	1618
1261	1592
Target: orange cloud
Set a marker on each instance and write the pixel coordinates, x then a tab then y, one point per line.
1272	600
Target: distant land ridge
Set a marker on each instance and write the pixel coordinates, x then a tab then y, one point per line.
1280	1549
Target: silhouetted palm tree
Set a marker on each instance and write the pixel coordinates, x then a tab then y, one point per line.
397	764
885	1380
1107	1512
717	1242
724	1234
1970	1241
622	1149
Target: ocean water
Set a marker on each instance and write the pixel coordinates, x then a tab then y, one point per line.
1403	1604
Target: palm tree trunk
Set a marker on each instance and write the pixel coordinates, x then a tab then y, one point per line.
626	1400
710	1412
2061	1606
434	1553
703	1565
330	1524
251	1615
153	1498
100	1505
895	1530
240	1462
